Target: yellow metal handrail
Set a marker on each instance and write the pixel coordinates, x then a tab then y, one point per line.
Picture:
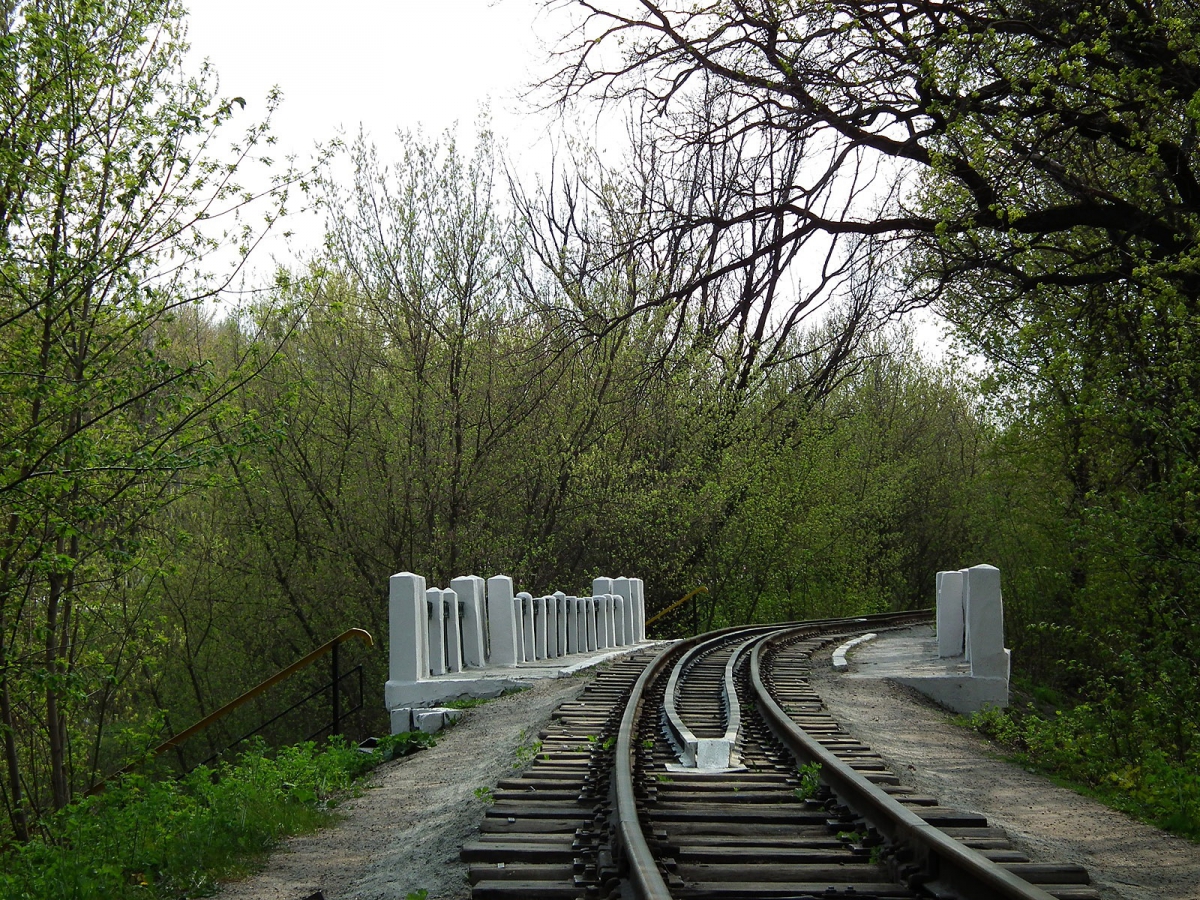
245	698
678	603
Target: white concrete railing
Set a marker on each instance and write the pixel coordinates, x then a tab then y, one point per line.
436	633
970	620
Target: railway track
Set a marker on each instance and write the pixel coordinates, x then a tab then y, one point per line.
710	770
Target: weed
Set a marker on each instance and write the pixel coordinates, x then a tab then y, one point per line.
485	796
143	838
810	781
526	752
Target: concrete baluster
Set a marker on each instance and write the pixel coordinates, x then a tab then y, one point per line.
469	589
984	616
453	631
639	609
589	629
527	626
408	660
504	622
623	591
560	617
613	601
950	613
572	618
603	616
540	625
437	631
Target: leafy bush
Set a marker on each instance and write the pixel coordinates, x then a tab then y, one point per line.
174	838
1089	748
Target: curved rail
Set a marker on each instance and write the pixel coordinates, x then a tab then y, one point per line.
643	870
943	860
691	749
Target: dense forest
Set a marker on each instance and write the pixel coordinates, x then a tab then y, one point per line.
696	365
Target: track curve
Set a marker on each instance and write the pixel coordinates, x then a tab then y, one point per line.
713	771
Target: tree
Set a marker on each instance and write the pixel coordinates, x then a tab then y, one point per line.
111	198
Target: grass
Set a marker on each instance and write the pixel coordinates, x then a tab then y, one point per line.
168	838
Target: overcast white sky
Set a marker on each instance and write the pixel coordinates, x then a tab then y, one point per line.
382	64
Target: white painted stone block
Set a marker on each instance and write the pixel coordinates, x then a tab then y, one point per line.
401	718
712	753
572	619
469	589
430	721
589	630
950	613
611	607
551	627
623	589
436	631
504	628
601	586
603	614
984	615
528	626
640	605
560	604
453	632
407	624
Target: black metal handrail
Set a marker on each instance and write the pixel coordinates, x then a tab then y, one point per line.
330	646
334	727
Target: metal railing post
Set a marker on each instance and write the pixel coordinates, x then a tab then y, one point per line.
337	697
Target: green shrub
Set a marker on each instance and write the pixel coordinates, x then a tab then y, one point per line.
174	838
1116	761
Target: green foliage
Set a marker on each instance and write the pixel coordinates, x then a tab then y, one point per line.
810	781
394	746
174	838
1119	762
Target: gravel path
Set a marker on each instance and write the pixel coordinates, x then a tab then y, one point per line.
405	831
1127	860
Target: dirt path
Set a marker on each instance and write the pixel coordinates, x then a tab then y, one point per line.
1128	860
405	831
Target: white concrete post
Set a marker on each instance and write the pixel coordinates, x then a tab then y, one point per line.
539	627
437	631
950	613
623	589
572	624
527	626
984	607
613	602
601	586
453	632
589	629
469	589
504	625
639	610
407	657
551	627
966	620
560	607
603	618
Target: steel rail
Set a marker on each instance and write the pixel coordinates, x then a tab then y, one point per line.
632	849
685	740
943	861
